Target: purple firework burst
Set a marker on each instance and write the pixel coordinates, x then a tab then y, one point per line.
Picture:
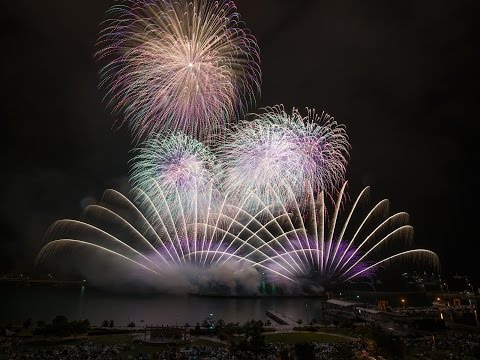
280	156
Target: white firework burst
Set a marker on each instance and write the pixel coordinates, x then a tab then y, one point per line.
186	65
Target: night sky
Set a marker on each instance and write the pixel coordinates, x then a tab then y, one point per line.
401	75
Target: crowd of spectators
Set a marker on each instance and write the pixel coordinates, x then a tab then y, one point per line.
455	345
277	351
12	348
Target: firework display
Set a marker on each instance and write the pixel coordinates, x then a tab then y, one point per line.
186	65
296	250
220	204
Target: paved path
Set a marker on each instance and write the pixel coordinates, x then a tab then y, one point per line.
313	332
281	330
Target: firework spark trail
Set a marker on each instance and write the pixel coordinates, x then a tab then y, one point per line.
402	217
403	232
363	193
178	65
237	238
322	277
271	218
73	228
57	245
381	206
159	220
120	228
255	235
334	258
421	254
135	238
281	152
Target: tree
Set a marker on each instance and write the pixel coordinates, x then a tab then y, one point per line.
299	321
110	324
60	320
41	323
60	326
220	324
27	323
131	324
231	328
105	323
40	329
79	327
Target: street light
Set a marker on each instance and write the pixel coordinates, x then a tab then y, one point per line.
447	287
471	287
403	302
475	313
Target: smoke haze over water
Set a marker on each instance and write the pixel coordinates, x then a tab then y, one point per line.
113	273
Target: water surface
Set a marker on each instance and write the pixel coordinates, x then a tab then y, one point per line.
44	303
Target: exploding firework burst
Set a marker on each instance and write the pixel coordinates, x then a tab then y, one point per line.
277	154
175	170
185	65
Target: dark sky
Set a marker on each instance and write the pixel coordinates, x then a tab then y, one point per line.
401	75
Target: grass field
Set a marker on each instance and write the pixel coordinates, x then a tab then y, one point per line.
296	338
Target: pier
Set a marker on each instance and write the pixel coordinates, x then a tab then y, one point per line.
39	282
280	318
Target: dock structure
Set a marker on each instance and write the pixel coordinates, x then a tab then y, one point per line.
280	318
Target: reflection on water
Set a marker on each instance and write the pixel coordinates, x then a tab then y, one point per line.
18	304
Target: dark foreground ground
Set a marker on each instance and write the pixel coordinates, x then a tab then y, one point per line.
339	343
